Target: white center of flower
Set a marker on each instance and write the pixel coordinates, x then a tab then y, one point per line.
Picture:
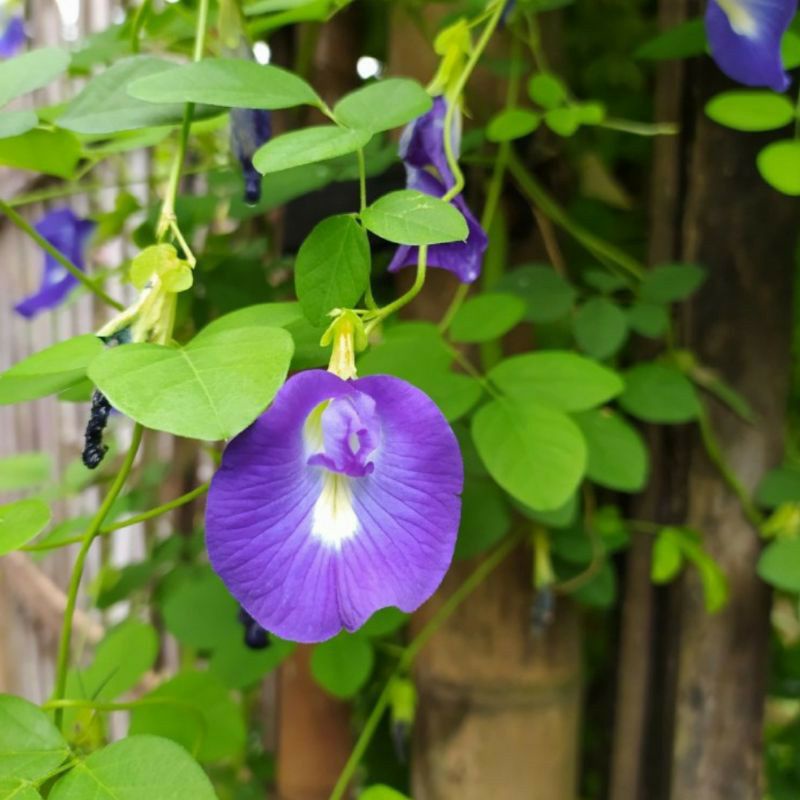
333	519
742	21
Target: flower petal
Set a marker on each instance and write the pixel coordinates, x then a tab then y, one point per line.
307	551
13	37
745	39
422	142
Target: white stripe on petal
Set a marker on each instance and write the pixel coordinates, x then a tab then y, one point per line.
333	520
742	20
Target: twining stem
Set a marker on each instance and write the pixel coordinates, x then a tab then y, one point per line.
604	251
62	660
411	652
167	216
404	299
455	95
76	273
126	523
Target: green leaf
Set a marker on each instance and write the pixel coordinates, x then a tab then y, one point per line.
381	792
186	390
672	282
779	565
49	371
20	522
383	622
682	41
30	71
558	379
24	471
617	454
18	789
659	393
667	558
537	454
751	110
15	123
136	768
600	327
779	165
307	146
779	486
342	665
201	715
648	319
268	315
30	745
485	518
563	121
411	217
486	317
601	590
104	105
383	105
227	82
547	295
512	123
199	611
240	667
547	90
332	267
48	152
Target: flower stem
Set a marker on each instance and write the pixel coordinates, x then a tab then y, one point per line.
411	652
405	299
166	219
62	661
126	523
458	89
28	229
604	251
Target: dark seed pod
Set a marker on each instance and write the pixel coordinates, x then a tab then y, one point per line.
401	731
94	450
250	128
255	637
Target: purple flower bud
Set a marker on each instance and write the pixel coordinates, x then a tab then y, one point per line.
250	128
12	39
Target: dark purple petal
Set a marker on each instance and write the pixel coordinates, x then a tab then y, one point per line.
309	551
68	234
12	38
745	39
422	142
250	128
463	259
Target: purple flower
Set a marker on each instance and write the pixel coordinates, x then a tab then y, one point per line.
12	38
341	499
745	39
250	128
68	234
422	142
463	259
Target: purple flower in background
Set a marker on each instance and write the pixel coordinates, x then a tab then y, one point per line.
12	38
745	39
463	259
422	142
68	234
250	128
341	499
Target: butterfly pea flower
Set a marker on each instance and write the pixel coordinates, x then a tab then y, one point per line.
463	259
745	39
12	38
250	128
341	499
422	142
69	234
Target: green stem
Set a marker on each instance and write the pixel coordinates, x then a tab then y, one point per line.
126	523
457	91
62	661
717	458
362	179
405	299
167	216
604	251
76	273
411	652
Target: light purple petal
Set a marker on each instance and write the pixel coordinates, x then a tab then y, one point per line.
308	551
463	259
12	38
68	234
745	39
422	142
